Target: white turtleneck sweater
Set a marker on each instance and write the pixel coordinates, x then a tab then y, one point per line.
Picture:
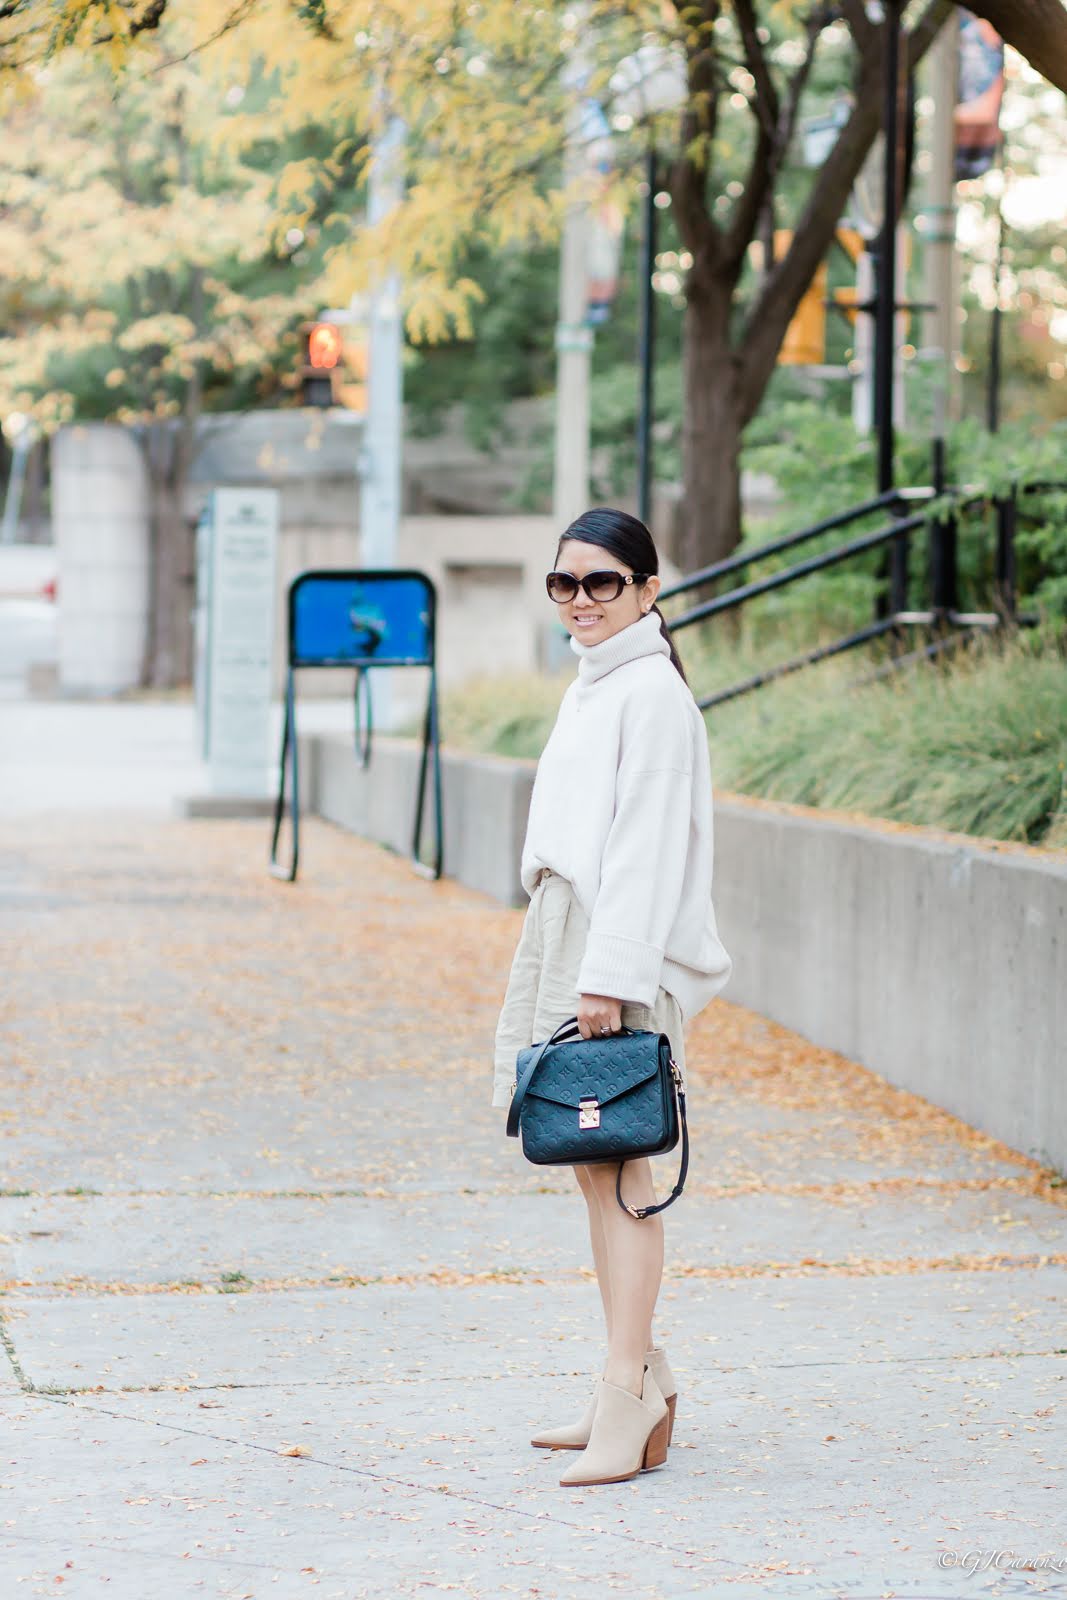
622	807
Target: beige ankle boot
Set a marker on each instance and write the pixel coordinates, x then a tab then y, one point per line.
629	1433
656	1358
575	1435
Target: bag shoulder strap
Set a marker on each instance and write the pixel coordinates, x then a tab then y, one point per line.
648	1211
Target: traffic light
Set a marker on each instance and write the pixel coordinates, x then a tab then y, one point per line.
322	356
804	344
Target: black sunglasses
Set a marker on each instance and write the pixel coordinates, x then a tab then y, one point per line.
599	586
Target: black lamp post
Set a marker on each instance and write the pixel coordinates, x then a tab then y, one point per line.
885	316
886	301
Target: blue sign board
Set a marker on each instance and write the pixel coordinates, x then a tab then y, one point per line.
339	619
360	618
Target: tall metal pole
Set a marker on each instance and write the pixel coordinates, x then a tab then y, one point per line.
574	345
941	321
574	336
863	338
381	484
995	329
647	341
381	474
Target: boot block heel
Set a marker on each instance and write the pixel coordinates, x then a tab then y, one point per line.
656	1448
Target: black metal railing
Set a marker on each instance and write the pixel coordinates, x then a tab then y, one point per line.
788	541
943	616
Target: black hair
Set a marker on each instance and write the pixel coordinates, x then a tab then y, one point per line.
627	538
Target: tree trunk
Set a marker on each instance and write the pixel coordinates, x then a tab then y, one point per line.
169	649
723	386
170	450
171	655
711	429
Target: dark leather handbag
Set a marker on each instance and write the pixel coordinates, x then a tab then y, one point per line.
606	1099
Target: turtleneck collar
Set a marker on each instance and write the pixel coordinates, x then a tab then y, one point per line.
640	638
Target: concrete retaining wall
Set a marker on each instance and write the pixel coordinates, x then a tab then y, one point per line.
939	964
484	800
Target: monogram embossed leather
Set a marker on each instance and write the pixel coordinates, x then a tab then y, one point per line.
607	1099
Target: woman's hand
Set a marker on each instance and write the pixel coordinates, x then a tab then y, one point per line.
597	1012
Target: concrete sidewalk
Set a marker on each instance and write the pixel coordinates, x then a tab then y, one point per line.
137	755
282	1304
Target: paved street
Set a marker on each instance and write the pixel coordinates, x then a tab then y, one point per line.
281	1304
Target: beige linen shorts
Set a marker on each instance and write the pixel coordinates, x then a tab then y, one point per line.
542	990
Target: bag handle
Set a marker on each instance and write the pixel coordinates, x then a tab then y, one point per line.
565	1031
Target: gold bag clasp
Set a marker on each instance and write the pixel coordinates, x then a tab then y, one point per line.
589	1112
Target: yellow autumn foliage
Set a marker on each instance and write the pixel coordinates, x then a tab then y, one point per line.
483	89
114	192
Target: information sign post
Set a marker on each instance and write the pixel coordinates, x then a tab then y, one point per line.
235	638
376	617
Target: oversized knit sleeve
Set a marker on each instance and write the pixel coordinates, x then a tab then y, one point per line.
644	859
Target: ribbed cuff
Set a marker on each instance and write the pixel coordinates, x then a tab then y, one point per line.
626	969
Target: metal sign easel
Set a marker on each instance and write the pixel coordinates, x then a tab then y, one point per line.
378	617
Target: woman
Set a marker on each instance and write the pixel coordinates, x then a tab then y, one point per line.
619	932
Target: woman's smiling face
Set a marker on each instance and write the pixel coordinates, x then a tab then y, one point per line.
593	620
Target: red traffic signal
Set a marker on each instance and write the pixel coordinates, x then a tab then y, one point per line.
323	345
322	356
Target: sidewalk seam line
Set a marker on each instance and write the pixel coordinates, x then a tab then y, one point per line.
385	1477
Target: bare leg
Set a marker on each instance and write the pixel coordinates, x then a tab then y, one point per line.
596	1236
634	1260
